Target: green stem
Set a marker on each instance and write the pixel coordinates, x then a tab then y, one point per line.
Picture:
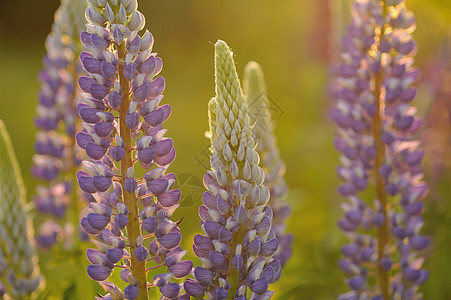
138	268
234	277
383	230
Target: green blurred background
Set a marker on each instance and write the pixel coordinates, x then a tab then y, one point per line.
293	40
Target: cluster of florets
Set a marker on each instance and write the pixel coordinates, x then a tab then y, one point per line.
122	127
56	159
239	243
376	123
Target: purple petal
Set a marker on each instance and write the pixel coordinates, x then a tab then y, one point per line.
356	283
101	183
181	269
204	276
194	288
237	262
150	224
166	159
203	243
141	253
158	186
95	256
221	294
83	138
97	221
135	45
260	286
115	99
148	66
216	258
121	220
269	248
91	65
419	242
131	292
170	290
169	198
163	147
98	272
95	151
85	38
117	153
99	42
114	254
98	91
129	71
130	185
89	115
86	183
157	87
132	120
212	229
170	240
88	228
142	92
108	70
146	155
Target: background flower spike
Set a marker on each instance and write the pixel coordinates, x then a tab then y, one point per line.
266	145
381	156
57	155
18	269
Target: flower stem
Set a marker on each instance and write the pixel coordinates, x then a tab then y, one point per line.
133	230
234	276
382	231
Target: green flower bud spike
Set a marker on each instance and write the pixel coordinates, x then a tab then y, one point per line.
266	146
18	269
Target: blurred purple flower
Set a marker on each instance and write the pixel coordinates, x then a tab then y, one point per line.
376	127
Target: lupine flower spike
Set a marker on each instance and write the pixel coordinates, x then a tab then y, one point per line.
239	243
19	274
376	128
437	134
266	146
55	161
130	219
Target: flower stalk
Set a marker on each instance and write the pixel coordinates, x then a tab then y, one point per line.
57	158
237	250
129	218
376	135
19	273
271	162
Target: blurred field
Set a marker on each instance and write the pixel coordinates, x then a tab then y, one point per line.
284	37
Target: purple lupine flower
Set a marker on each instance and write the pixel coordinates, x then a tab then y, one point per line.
272	164
236	251
56	158
122	128
376	124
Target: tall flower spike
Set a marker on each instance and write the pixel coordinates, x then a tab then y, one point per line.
376	128
130	217
55	161
18	269
266	146
437	134
239	244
